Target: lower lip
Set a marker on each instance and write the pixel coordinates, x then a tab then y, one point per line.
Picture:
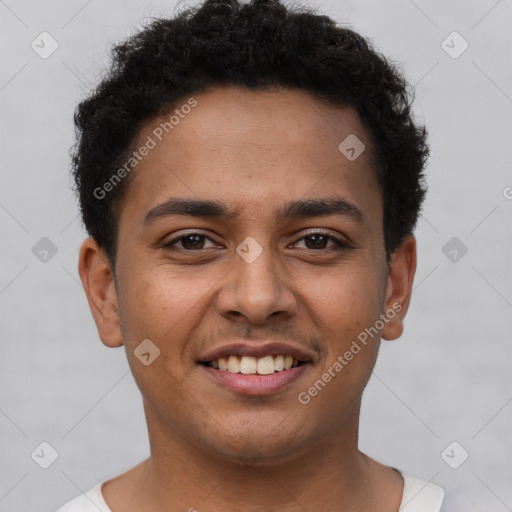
256	384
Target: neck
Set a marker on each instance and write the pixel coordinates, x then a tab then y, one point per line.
328	474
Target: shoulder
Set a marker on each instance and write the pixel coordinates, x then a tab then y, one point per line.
90	501
420	495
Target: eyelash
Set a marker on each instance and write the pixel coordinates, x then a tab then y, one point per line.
340	245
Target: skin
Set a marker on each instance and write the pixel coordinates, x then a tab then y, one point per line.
212	448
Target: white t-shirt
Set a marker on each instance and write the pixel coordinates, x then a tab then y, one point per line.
418	496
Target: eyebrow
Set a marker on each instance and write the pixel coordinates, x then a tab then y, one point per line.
300	209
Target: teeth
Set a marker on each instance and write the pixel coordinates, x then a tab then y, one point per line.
279	363
248	365
251	365
233	364
266	365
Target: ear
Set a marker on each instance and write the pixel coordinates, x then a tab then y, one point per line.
399	288
98	281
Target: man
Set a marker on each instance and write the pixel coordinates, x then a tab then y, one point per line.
250	178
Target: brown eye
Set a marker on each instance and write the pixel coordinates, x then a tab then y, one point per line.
316	241
319	241
190	242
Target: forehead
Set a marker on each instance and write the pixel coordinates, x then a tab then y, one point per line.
254	150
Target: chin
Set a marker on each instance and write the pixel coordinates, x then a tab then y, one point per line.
253	446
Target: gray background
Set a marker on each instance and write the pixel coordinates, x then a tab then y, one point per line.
446	379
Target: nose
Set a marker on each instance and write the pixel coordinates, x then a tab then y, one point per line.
256	290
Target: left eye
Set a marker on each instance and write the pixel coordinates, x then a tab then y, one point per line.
318	241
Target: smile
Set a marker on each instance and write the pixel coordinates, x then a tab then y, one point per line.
247	375
248	365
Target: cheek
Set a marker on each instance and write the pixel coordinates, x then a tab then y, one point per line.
165	309
162	306
343	308
346	302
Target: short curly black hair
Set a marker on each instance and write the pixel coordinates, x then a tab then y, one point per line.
257	45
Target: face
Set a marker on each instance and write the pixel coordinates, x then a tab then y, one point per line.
280	252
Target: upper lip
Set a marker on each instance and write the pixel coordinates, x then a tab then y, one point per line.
259	350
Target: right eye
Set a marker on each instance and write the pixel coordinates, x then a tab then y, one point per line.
190	242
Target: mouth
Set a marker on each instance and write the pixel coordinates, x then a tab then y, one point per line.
248	365
247	375
256	369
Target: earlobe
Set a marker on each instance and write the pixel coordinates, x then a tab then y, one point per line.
399	288
98	280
